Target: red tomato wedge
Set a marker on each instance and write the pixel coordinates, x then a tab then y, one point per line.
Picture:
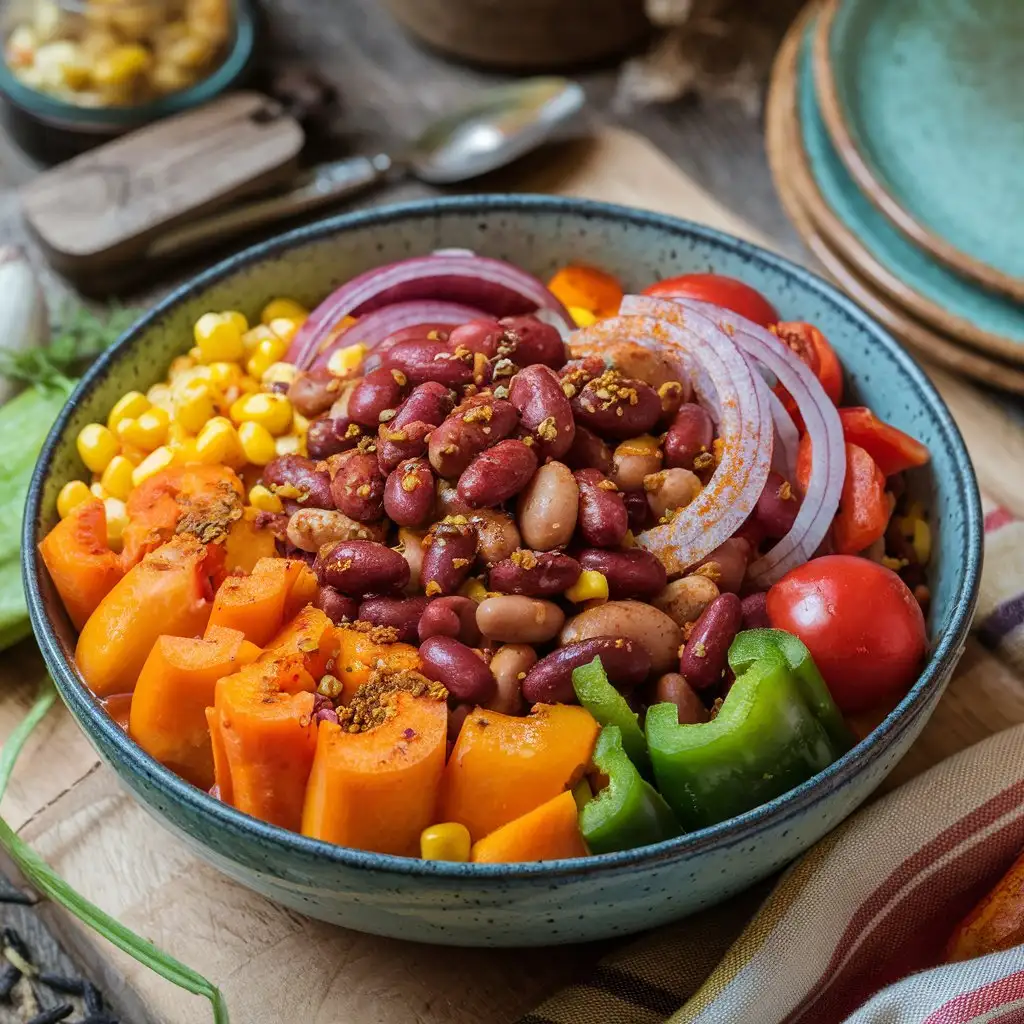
891	449
721	291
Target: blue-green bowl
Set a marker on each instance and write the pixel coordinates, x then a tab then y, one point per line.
557	901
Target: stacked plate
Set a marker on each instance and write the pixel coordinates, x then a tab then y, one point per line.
896	141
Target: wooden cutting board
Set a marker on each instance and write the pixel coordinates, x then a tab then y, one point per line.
275	966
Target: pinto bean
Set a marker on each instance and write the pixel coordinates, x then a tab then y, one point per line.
641	623
602	512
509	665
642	363
336	606
326	437
400	613
514	619
529	340
550	680
672	688
421	361
726	565
309	529
483	336
497	474
358	567
462	671
548	507
375	394
692	433
588	451
617	406
684	601
449	549
778	506
405	436
497	534
450	616
478	423
544	411
755	611
410	547
535	574
635	573
357	484
634	459
671	489
298	479
409	493
314	392
704	657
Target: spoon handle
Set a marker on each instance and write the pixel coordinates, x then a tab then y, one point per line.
325	184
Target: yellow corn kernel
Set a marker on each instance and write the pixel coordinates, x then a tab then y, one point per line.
449	841
285	329
474	590
133	453
257	443
161	396
96	446
266	353
117	477
225	374
289	444
268	410
128	406
279	373
117	520
194	405
218	338
72	494
147	432
97	490
591	586
238	319
300	425
185	453
218	444
346	360
264	499
177	434
179	366
287	309
582	317
254	336
153	463
922	541
121	66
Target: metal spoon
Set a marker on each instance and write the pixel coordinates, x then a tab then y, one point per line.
504	123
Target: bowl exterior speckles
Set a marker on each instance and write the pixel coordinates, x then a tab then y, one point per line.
558	901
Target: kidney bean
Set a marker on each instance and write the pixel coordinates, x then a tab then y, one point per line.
357	484
673	394
671	489
548	507
684	601
544	411
777	507
374	359
755	611
638	511
409	493
456	720
410	547
588	451
704	657
602	512
496	531
478	423
514	619
634	459
339	411
617	406
326	437
376	393
359	567
421	361
459	668
529	340
509	665
726	565
535	573
550	680
447	501
672	688
337	607
309	529
405	436
299	479
497	474
450	616
641	623
692	433
400	613
449	549
634	573
314	391
478	336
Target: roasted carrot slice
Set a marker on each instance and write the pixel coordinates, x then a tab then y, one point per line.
247	543
360	655
221	768
311	636
548	832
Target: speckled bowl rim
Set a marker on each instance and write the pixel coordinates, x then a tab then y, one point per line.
95	721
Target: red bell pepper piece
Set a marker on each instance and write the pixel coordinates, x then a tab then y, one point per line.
891	449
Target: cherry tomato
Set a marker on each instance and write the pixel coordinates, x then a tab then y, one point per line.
813	348
864	506
861	624
726	292
893	450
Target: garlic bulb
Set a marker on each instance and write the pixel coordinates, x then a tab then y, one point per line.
24	320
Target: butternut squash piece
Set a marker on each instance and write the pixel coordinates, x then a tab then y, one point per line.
359	655
246	543
81	565
996	923
167	593
377	790
548	832
264	716
503	767
311	636
176	684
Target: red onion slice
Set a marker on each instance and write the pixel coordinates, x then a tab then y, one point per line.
787	438
494	286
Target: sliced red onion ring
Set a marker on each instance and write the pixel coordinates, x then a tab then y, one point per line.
459	277
719	373
373	328
821	421
787	438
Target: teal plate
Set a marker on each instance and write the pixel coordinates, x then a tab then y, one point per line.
923	100
985	318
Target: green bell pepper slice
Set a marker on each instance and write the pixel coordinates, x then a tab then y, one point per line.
776	728
609	707
629	811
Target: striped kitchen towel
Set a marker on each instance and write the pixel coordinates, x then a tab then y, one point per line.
853	931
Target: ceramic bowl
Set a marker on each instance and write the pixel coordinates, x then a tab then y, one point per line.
556	901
